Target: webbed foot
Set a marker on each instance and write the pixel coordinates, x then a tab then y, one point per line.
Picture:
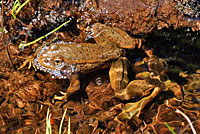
29	60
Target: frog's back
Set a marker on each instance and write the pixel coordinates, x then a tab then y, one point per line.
83	52
64	59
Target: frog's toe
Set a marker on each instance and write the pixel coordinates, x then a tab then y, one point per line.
29	60
59	97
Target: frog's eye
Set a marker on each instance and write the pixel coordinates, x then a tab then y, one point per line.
58	61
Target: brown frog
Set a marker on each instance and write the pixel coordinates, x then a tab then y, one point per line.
65	60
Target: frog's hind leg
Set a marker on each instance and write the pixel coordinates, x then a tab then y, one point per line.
119	82
118	74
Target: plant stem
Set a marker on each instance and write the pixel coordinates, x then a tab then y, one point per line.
21	6
61	122
22	45
170	129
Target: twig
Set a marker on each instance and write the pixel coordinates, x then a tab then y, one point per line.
68	130
2	19
8	54
188	120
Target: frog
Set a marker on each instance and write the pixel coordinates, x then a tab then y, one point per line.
65	60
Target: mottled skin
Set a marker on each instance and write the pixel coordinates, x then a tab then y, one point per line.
76	57
62	59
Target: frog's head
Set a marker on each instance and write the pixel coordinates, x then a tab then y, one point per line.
49	61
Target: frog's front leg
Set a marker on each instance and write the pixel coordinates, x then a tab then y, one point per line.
73	87
29	61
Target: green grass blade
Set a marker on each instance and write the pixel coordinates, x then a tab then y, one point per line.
22	45
20	7
48	123
61	122
15	6
3	30
170	129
